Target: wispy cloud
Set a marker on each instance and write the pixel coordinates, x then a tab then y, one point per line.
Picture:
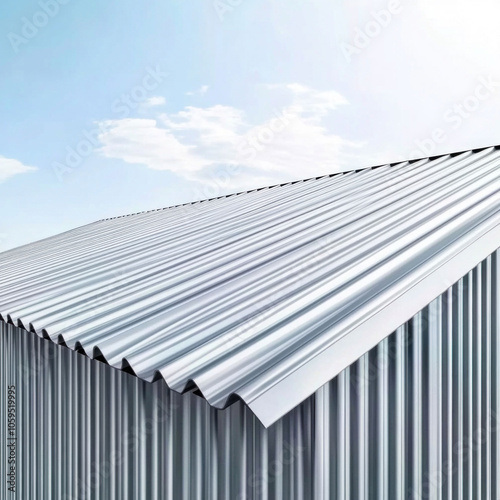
10	167
201	91
196	142
143	141
155	101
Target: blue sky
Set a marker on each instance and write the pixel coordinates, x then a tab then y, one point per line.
109	108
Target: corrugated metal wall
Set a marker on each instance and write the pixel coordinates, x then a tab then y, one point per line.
414	418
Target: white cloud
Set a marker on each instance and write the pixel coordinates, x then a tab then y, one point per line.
312	103
155	101
201	91
202	144
10	167
139	140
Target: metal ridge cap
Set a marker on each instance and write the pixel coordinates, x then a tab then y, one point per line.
285	395
342	172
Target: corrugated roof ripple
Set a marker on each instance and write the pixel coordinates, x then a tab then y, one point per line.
245	295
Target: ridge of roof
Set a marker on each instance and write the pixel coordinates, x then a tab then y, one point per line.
281	184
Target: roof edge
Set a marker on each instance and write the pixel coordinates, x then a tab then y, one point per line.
390	164
298	386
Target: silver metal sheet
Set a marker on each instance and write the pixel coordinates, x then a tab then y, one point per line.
417	417
266	295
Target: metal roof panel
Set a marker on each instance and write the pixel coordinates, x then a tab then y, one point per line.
267	295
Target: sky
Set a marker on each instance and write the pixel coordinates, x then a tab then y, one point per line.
110	108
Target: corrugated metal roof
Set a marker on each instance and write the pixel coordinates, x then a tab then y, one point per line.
267	295
423	404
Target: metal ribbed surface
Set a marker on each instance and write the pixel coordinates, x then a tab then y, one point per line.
416	417
266	295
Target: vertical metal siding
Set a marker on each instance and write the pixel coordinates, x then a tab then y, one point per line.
415	418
